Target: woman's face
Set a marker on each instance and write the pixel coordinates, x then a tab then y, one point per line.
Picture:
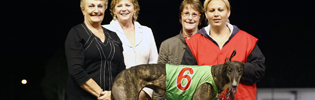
217	13
190	18
124	10
93	11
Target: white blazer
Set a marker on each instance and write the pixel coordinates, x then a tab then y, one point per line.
145	51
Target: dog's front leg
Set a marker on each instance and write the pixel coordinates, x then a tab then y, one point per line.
204	92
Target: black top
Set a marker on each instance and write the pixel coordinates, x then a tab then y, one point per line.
88	57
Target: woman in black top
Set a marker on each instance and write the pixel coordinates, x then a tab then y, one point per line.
94	55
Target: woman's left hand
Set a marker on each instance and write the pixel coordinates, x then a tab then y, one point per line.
105	95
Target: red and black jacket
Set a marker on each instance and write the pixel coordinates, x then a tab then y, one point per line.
203	50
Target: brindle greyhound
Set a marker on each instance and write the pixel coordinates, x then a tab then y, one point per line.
129	82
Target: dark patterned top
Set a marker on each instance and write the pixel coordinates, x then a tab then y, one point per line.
88	57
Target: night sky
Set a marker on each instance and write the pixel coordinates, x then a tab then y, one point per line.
33	31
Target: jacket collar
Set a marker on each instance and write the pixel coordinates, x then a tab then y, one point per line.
181	37
138	32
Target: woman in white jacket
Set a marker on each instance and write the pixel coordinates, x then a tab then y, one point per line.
138	41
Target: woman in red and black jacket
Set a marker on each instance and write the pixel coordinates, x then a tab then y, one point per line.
215	42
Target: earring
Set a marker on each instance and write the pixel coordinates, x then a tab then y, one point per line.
134	15
206	20
115	17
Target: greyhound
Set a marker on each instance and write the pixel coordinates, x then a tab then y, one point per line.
129	82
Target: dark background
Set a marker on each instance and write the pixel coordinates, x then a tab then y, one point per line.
33	31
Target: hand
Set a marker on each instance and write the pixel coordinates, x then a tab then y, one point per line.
105	95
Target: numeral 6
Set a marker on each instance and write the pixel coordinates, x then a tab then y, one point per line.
181	76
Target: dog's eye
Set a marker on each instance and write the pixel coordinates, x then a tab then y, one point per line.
230	70
239	70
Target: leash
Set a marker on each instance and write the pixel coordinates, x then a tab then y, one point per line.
232	55
227	96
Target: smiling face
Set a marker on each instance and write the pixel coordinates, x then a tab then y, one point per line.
190	18
93	11
217	13
124	10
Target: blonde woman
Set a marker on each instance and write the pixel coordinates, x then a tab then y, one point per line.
215	42
94	55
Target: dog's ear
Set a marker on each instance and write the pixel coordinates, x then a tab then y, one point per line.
240	63
225	66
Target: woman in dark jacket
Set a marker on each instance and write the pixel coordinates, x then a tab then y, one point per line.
94	55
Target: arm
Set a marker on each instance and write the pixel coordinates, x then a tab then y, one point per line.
92	87
75	58
153	50
188	58
163	54
255	67
121	65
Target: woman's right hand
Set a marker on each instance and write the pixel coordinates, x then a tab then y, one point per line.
105	95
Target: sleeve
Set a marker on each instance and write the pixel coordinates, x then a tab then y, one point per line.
255	67
75	57
121	65
188	58
153	50
163	54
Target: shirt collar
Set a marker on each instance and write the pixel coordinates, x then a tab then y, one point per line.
230	26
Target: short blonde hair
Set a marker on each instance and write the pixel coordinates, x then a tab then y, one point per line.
227	4
82	3
135	4
195	4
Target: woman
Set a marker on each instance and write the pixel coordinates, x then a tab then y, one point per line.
217	41
138	41
172	49
94	55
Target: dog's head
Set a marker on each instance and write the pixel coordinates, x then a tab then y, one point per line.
234	70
